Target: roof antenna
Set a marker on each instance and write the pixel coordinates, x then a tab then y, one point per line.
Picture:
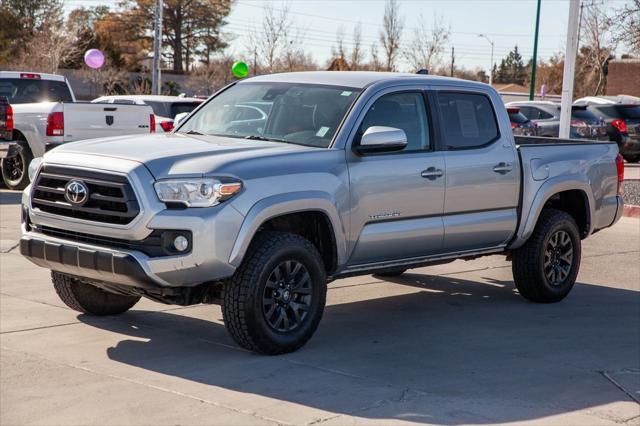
423	71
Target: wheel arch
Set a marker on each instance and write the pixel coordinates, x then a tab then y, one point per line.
310	214
573	196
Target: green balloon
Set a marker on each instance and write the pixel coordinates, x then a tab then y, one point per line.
240	69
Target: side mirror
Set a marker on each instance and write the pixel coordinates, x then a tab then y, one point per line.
382	139
179	117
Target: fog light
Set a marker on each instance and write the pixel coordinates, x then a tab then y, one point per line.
180	243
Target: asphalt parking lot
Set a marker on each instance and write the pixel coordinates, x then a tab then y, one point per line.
452	344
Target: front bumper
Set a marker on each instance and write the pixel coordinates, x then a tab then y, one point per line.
93	263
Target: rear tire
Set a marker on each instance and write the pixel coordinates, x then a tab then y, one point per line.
545	268
88	299
275	300
15	169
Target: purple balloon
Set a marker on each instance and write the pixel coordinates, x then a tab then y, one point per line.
94	58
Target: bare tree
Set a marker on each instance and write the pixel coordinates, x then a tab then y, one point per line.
49	46
375	64
206	79
106	80
426	48
627	26
597	45
275	26
356	52
392	24
339	50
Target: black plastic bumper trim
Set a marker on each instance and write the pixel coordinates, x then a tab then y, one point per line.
120	268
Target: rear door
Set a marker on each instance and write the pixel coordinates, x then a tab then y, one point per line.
88	121
482	171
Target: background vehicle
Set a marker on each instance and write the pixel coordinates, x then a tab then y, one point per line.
345	175
6	126
546	115
164	107
520	124
46	115
623	125
607	100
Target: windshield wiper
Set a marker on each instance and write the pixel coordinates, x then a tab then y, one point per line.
193	132
264	138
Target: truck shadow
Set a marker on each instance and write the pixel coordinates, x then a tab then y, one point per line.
451	351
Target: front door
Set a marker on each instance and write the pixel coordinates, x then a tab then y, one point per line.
397	197
483	175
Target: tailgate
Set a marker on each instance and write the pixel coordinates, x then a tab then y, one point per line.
89	121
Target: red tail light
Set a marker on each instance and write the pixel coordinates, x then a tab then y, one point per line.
620	169
514	125
9	119
55	124
30	75
620	125
152	123
167	126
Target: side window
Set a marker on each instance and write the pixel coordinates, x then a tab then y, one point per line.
404	111
544	115
468	120
530	113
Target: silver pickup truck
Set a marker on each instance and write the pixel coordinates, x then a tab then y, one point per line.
280	184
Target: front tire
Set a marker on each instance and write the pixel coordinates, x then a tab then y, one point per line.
275	300
88	299
545	268
14	168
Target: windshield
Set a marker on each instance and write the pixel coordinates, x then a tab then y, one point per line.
26	91
305	114
629	111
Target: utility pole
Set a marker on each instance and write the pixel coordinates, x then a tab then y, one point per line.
491	67
453	59
532	89
568	75
157	40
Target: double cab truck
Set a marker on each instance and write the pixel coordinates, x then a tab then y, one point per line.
343	174
46	114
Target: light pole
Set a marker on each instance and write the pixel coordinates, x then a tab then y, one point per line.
491	67
156	85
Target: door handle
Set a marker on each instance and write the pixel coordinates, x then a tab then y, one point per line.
502	168
431	173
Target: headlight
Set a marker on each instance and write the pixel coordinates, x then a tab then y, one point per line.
33	168
205	192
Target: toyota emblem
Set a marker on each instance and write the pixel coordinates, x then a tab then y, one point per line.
76	192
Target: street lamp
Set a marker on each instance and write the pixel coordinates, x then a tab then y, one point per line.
491	67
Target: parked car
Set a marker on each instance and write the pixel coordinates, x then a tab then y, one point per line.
608	100
346	175
6	127
164	107
46	114
520	124
622	123
546	115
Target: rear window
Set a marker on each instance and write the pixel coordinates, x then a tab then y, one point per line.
25	91
517	117
468	120
583	114
629	111
171	109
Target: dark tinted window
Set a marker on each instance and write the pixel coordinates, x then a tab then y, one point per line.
467	119
517	117
180	107
404	111
124	101
24	91
629	111
583	114
543	115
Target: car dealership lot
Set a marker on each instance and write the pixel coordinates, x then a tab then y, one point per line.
449	344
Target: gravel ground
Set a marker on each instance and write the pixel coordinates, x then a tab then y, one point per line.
631	192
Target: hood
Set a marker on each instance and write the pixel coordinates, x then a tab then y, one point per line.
176	154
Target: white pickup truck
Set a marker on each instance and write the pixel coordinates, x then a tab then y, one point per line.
46	114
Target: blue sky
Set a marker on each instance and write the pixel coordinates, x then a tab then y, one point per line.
506	22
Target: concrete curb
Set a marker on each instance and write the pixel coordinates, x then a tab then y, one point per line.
631	211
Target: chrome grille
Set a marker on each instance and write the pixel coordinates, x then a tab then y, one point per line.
111	198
